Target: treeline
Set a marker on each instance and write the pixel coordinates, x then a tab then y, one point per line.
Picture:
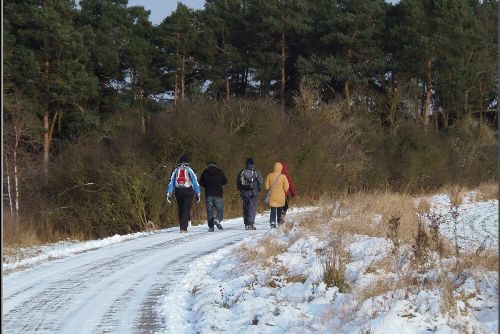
362	94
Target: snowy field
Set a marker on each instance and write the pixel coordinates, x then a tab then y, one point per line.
477	223
224	293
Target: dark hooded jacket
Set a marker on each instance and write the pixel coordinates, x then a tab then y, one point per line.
212	179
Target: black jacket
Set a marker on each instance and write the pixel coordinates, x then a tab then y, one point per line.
212	179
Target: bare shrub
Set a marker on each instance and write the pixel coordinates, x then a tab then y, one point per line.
334	260
420	247
456	199
469	141
308	98
393	233
448	300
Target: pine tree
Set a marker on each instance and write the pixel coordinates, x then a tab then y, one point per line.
177	39
49	63
436	39
279	19
107	28
140	59
225	22
349	49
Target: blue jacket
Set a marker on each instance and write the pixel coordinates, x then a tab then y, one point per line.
192	176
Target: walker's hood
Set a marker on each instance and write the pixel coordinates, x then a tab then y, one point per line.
278	167
283	171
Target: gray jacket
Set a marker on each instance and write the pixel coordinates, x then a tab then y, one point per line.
250	192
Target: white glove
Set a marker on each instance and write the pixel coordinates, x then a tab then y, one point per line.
169	198
198	198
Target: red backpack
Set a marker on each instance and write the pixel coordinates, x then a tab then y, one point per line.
183	180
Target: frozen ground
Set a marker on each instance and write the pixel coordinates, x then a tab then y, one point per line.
223	293
477	222
107	286
27	257
165	282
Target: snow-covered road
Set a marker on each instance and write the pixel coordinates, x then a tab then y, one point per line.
112	289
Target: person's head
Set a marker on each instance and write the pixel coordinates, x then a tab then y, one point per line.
183	159
249	162
277	167
212	163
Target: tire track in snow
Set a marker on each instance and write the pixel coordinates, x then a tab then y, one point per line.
113	289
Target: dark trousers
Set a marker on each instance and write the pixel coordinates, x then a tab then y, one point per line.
214	203
184	197
276	214
285	207
250	203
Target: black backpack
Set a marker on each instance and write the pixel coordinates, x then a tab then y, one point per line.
248	177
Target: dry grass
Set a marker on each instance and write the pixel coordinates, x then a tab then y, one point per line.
359	218
487	259
382	286
20	234
264	252
386	264
296	278
485	191
488	190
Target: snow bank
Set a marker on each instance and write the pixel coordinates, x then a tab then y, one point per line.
24	257
477	222
29	256
223	293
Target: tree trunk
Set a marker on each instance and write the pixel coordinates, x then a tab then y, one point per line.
347	93
9	190
46	137
143	117
16	180
481	106
245	81
226	63
46	146
417	109
428	96
347	96
466	101
446	117
283	74
183	76
436	120
175	90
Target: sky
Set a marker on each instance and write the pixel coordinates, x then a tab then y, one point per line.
162	8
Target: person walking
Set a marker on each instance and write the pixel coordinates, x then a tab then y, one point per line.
278	186
249	183
185	183
290	193
212	179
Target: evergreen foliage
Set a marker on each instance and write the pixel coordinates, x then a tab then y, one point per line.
97	99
